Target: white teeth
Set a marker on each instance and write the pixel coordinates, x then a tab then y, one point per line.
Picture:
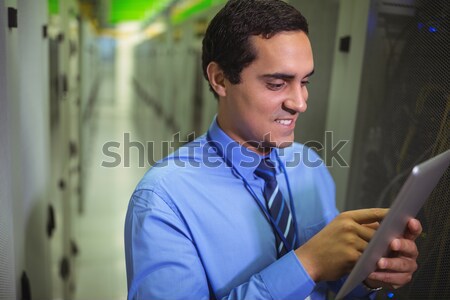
284	122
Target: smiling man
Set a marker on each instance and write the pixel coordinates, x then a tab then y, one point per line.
226	217
272	91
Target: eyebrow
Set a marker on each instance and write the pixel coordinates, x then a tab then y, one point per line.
284	76
310	73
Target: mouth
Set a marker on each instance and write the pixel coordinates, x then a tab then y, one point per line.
285	122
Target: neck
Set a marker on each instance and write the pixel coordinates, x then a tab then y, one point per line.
256	147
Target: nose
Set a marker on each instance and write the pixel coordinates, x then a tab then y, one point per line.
296	101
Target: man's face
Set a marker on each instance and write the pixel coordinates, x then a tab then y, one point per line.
265	105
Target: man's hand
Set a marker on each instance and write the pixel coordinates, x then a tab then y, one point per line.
397	269
333	252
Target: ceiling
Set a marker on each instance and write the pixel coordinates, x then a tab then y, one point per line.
109	13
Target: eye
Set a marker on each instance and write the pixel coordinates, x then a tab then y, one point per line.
275	86
305	82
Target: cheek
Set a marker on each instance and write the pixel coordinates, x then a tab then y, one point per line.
258	105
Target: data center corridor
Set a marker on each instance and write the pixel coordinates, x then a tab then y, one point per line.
100	228
94	92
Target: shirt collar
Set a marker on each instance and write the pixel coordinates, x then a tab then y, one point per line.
243	160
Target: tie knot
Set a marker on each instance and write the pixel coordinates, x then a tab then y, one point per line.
266	170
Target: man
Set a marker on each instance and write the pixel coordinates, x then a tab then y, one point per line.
233	214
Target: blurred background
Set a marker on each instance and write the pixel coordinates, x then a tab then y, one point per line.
93	92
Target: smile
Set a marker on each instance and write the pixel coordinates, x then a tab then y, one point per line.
284	122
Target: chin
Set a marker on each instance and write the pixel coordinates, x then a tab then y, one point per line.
279	144
285	144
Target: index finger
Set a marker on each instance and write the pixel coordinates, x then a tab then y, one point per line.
367	216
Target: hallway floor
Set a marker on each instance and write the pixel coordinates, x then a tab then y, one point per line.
100	266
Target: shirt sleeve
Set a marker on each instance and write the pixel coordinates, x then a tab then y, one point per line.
283	279
163	262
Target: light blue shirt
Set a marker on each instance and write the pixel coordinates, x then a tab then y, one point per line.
193	230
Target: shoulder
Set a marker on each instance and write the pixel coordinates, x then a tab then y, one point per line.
165	178
191	163
175	164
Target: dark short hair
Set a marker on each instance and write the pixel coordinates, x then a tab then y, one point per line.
227	42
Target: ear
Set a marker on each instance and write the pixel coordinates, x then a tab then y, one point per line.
216	78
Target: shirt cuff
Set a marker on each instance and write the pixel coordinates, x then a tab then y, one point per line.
286	278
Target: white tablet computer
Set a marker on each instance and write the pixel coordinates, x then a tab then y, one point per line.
415	191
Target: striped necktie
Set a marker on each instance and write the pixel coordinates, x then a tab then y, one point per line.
278	209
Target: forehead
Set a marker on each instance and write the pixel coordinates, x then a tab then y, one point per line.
287	51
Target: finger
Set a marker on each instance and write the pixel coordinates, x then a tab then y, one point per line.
360	244
365	232
366	216
405	247
394	279
374	225
352	240
397	265
413	229
354	235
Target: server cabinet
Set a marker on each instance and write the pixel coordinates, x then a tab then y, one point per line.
403	118
7	257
